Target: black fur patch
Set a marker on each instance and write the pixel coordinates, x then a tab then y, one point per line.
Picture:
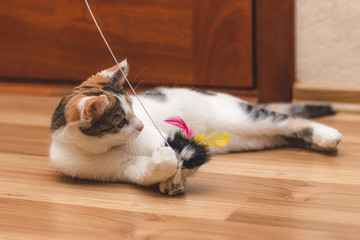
83	87
257	113
298	142
200	154
118	76
109	87
58	119
155	93
305	134
204	92
302	138
311	111
92	93
249	108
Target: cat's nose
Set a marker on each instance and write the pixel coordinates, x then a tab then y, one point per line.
140	128
138	124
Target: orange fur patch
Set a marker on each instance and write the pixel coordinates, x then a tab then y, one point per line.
72	113
113	68
93	85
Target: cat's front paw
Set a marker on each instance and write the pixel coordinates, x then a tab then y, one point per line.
172	187
325	138
164	162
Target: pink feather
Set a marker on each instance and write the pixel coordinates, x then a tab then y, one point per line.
178	122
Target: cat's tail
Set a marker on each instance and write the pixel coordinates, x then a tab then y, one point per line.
301	110
192	153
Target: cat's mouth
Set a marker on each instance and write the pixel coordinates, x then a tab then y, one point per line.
134	133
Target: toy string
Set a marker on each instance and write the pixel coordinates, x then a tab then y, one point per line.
132	89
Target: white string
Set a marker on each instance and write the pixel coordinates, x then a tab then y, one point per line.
132	89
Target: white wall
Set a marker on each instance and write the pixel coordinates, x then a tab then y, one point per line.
328	42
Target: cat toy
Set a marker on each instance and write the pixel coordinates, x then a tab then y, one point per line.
198	152
201	142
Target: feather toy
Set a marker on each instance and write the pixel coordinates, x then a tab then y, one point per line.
213	139
200	145
178	122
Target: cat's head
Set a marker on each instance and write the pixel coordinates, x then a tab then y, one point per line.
99	109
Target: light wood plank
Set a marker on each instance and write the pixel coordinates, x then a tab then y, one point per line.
62	221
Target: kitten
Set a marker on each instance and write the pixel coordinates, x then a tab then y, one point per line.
100	133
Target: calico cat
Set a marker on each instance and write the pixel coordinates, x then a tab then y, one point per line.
99	132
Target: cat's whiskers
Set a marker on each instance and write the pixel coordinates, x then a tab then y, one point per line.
139	84
127	151
141	71
132	145
130	148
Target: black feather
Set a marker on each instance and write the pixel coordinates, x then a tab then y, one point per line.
199	153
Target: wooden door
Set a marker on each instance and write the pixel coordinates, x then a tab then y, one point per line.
203	43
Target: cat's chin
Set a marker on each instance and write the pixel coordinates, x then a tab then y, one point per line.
72	136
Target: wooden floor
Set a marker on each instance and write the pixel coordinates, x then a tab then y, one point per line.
276	194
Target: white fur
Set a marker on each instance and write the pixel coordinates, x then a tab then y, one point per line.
141	158
324	137
187	153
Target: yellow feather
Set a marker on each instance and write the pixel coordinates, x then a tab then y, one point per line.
213	139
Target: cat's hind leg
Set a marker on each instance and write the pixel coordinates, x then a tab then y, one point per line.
313	135
253	127
263	128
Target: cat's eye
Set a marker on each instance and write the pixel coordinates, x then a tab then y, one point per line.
121	124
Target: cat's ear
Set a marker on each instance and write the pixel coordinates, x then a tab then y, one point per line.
115	75
92	107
